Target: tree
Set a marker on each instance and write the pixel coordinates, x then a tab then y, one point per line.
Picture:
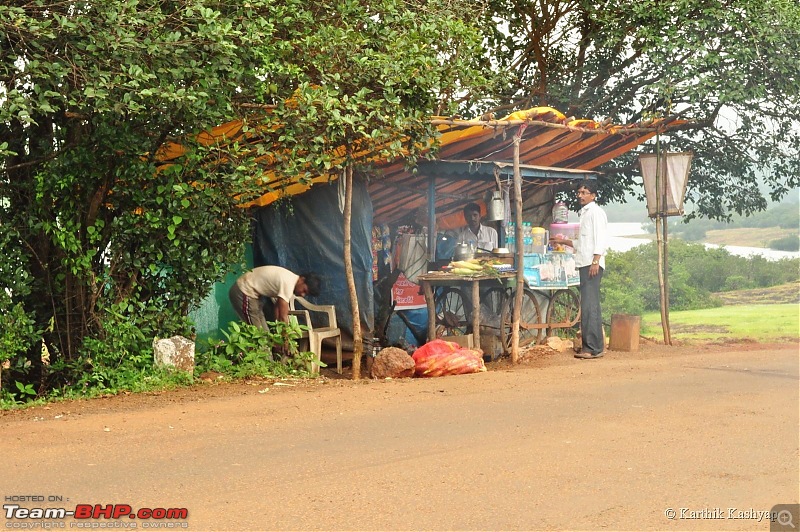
730	68
363	85
110	246
107	246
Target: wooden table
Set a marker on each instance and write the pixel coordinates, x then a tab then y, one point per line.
431	279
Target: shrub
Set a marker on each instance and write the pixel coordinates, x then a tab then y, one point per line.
787	243
253	351
630	282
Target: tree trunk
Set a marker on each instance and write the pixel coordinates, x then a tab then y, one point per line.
358	345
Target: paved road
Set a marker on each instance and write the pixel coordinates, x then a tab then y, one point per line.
608	444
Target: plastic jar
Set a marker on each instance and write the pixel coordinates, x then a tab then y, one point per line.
560	213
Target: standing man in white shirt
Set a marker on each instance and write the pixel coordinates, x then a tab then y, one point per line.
482	236
590	251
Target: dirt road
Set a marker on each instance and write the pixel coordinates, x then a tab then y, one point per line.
557	443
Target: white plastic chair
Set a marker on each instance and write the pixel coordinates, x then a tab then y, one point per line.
316	334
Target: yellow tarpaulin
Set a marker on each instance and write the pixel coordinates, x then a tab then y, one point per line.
548	139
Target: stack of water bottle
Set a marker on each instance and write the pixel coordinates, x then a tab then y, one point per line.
527	238
511	237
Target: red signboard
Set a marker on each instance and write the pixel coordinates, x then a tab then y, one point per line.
407	295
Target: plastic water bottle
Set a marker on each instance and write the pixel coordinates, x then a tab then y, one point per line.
527	236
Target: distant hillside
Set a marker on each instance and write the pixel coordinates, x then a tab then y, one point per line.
784	213
777	227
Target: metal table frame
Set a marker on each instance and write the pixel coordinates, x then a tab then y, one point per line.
429	280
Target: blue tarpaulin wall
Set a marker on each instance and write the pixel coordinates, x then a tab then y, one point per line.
305	233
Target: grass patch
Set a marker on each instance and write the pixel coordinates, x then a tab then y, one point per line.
763	323
784	293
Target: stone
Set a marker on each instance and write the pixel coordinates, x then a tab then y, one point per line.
176	352
393	363
558	344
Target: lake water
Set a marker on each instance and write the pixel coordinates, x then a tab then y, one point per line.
621	233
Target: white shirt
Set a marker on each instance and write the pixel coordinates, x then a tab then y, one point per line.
485	239
269	281
592	237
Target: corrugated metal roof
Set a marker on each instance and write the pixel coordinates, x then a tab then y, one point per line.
548	140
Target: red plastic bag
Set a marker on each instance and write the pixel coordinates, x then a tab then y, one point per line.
440	357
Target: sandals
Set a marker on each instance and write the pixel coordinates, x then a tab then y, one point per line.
587	356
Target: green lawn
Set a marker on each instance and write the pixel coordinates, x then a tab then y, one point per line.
763	323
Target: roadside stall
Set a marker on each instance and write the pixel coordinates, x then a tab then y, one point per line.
522	160
461	304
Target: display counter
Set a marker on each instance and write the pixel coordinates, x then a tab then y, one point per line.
550	270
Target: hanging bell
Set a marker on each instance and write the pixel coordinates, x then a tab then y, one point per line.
495	210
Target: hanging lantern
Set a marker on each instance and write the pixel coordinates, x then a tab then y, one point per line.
665	183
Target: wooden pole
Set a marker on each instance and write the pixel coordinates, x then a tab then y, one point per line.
660	220
519	251
358	344
665	318
667	332
660	249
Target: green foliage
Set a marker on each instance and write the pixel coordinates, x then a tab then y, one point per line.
14	389
252	351
18	336
696	274
120	356
100	235
365	81
25	390
18	332
787	243
730	69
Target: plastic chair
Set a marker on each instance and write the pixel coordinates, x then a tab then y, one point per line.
316	334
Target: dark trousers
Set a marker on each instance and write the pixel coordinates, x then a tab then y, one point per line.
591	317
253	311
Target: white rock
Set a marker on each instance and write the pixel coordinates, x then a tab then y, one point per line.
176	352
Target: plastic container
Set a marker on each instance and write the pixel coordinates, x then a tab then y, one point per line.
566	231
560	213
539	238
570	231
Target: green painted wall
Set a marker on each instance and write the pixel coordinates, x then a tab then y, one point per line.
215	312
